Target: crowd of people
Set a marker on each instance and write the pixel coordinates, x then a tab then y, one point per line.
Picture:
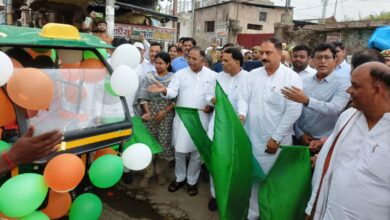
309	96
304	98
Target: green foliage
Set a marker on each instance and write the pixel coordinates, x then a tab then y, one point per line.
382	15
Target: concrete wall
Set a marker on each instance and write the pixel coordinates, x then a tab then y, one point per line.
354	40
185	21
250	14
244	14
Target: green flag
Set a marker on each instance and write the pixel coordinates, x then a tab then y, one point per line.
229	158
142	135
287	188
191	120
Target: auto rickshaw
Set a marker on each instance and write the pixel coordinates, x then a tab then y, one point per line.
83	105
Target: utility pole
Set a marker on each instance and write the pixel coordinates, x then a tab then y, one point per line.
335	7
9	12
193	19
110	17
324	4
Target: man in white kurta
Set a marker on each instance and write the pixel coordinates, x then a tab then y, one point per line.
356	184
232	80
191	86
269	117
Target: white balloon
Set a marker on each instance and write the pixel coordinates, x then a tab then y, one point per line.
6	68
124	81
137	157
70	56
125	54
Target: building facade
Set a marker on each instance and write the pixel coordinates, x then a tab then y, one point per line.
223	21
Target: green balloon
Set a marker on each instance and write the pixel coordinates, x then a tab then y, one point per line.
37	215
89	54
103	52
22	194
86	206
53	55
108	88
106	171
4	146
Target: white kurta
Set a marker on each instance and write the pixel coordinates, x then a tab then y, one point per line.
192	90
268	113
231	86
357	184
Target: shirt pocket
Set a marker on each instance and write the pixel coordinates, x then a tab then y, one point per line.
274	97
376	163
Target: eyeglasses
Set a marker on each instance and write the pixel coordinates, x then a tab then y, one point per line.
326	58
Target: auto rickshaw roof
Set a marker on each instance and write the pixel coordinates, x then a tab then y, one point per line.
51	35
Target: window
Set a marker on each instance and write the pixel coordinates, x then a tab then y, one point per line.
209	26
263	16
256	27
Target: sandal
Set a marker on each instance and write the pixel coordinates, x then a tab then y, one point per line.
174	186
192	190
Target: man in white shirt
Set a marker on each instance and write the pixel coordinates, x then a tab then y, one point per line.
342	67
268	116
148	65
191	86
300	61
232	80
352	175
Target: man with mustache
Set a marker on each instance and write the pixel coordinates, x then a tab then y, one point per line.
352	175
323	96
268	116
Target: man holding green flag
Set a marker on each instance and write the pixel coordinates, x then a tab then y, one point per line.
231	80
268	116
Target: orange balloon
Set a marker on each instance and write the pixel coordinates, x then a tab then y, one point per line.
7	114
31	88
16	63
104	151
70	66
58	204
69	115
94	70
72	94
64	172
71	75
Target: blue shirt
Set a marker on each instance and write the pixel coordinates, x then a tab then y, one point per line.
251	65
218	67
344	70
327	99
178	64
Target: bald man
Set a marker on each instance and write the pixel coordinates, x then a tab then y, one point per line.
352	175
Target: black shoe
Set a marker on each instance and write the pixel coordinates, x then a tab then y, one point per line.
192	190
204	174
174	186
127	177
212	204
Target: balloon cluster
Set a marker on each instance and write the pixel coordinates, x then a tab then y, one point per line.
29	88
22	195
124	79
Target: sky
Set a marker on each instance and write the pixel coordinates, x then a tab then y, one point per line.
345	10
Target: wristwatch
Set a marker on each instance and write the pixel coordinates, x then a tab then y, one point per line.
277	142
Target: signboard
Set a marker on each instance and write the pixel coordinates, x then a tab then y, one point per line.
151	33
